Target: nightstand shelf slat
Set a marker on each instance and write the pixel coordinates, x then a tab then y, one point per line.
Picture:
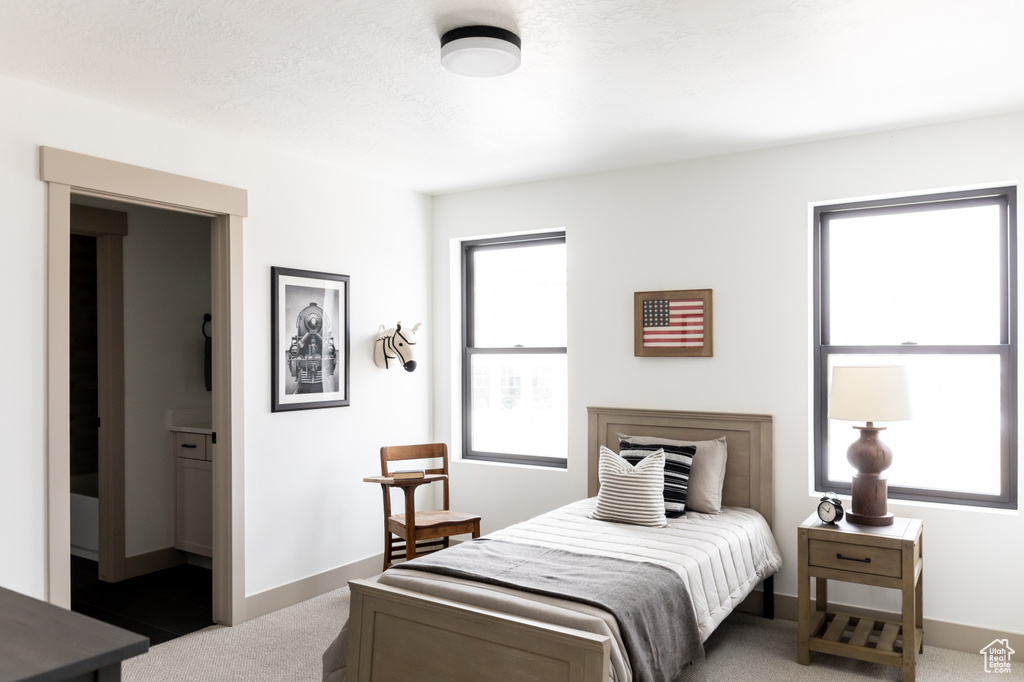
887	639
863	638
818	622
865	626
836	628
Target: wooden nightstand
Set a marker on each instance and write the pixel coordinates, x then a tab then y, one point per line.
882	556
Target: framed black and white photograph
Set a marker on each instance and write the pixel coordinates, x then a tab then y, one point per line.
309	339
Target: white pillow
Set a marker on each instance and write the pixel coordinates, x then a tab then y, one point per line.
631	494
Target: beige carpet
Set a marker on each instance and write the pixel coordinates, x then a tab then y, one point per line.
286	646
280	647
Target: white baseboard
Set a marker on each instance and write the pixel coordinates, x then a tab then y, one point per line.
198	560
139	564
85	553
277	598
150	562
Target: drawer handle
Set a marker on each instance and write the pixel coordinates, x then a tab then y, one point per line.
189	445
866	560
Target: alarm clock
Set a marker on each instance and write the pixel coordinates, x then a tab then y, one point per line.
830	509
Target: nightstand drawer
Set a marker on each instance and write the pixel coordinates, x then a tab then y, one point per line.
844	556
191	445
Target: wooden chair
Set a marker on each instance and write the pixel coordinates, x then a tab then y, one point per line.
414	533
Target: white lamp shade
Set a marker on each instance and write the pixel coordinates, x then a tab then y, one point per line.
869	394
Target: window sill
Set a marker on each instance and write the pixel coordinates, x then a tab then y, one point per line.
939	506
515	465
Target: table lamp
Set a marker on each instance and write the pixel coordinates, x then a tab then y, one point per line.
869	394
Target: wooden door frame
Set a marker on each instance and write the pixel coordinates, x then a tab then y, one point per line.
109	232
65	173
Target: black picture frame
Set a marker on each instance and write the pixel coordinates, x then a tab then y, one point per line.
309	339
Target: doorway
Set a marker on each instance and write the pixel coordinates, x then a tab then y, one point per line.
68	173
138	319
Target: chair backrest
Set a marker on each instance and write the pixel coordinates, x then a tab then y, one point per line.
400	453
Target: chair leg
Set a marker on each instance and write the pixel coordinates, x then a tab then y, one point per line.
387	549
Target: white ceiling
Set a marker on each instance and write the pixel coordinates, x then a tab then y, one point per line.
604	83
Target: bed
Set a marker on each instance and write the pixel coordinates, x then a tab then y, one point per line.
412	625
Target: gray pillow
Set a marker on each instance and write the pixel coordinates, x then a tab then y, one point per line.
707	473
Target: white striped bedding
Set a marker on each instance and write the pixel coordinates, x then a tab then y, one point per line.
720	556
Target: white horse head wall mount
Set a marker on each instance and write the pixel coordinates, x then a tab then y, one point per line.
396	347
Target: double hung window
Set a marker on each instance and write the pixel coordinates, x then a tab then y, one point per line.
928	282
514	370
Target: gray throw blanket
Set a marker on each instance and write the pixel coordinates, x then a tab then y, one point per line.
651	603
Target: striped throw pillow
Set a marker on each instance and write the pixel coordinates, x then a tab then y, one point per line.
631	493
678	460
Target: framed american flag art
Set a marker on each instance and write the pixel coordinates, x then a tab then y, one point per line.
672	323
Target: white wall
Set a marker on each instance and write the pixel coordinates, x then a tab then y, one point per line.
737	224
740	226
166	293
307	509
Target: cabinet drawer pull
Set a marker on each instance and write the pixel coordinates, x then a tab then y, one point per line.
866	560
189	445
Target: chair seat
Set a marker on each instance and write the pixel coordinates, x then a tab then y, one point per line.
433	519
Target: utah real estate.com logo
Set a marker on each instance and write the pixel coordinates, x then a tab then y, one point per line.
997	656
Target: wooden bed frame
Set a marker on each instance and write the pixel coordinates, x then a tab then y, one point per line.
396	635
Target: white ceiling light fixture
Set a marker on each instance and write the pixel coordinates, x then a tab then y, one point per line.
480	51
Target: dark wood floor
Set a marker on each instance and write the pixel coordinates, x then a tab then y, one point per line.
161	605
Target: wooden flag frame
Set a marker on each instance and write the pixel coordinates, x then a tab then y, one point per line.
640	350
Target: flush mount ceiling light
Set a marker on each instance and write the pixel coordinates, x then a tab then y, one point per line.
480	51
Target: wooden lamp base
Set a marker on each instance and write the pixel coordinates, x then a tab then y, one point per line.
869	505
870	457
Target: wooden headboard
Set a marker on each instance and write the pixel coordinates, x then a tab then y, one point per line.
750	467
